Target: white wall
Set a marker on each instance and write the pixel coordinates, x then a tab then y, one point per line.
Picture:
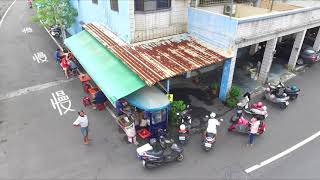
151	25
257	27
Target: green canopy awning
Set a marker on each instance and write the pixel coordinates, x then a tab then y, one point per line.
113	77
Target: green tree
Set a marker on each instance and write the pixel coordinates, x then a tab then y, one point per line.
55	12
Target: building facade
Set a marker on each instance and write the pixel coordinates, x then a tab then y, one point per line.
225	27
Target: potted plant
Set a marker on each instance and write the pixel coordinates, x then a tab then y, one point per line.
233	96
175	107
214	88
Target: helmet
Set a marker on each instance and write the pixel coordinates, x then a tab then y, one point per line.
259	104
294	88
182	127
212	115
239	112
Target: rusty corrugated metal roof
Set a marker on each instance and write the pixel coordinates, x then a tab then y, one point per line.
156	61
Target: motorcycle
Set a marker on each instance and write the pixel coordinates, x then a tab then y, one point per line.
242	125
258	110
292	91
185	125
152	158
55	31
275	96
209	136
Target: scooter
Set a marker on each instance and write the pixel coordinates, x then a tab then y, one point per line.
209	136
279	98
152	158
258	110
185	125
292	91
55	31
29	2
183	134
242	125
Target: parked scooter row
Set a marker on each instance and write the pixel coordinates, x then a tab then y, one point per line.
242	125
280	94
165	150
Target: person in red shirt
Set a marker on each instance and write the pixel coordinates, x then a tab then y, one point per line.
65	65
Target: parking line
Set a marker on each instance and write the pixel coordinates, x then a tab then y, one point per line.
32	89
1	21
280	155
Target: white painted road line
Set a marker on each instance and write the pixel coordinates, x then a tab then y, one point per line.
32	89
280	155
1	21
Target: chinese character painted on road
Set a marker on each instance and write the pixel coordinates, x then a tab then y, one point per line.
27	30
40	57
61	101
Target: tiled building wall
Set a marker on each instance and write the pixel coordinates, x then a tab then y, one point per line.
151	25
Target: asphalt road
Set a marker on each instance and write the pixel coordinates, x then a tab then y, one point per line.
37	142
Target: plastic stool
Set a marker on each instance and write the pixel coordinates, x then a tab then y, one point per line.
86	101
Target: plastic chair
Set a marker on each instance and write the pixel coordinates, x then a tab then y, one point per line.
100	106
86	101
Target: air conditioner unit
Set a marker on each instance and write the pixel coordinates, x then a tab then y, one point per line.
229	10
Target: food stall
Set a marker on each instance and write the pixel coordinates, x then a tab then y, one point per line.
155	107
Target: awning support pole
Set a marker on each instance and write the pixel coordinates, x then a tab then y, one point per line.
168	86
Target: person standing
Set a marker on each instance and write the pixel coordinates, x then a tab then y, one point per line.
65	65
253	130
83	122
57	55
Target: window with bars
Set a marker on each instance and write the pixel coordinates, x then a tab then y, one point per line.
95	1
151	5
114	5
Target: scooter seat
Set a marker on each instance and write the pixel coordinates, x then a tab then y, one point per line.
155	153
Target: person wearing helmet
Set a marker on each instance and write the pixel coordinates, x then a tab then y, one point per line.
212	124
182	129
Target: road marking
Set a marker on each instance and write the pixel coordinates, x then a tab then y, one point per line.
27	30
32	89
58	101
1	21
40	57
280	155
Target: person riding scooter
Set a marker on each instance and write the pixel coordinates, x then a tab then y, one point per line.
210	135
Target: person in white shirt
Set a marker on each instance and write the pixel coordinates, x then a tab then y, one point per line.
212	124
83	122
253	130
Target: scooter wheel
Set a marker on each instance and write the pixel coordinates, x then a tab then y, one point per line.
294	97
180	157
283	105
146	165
182	142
